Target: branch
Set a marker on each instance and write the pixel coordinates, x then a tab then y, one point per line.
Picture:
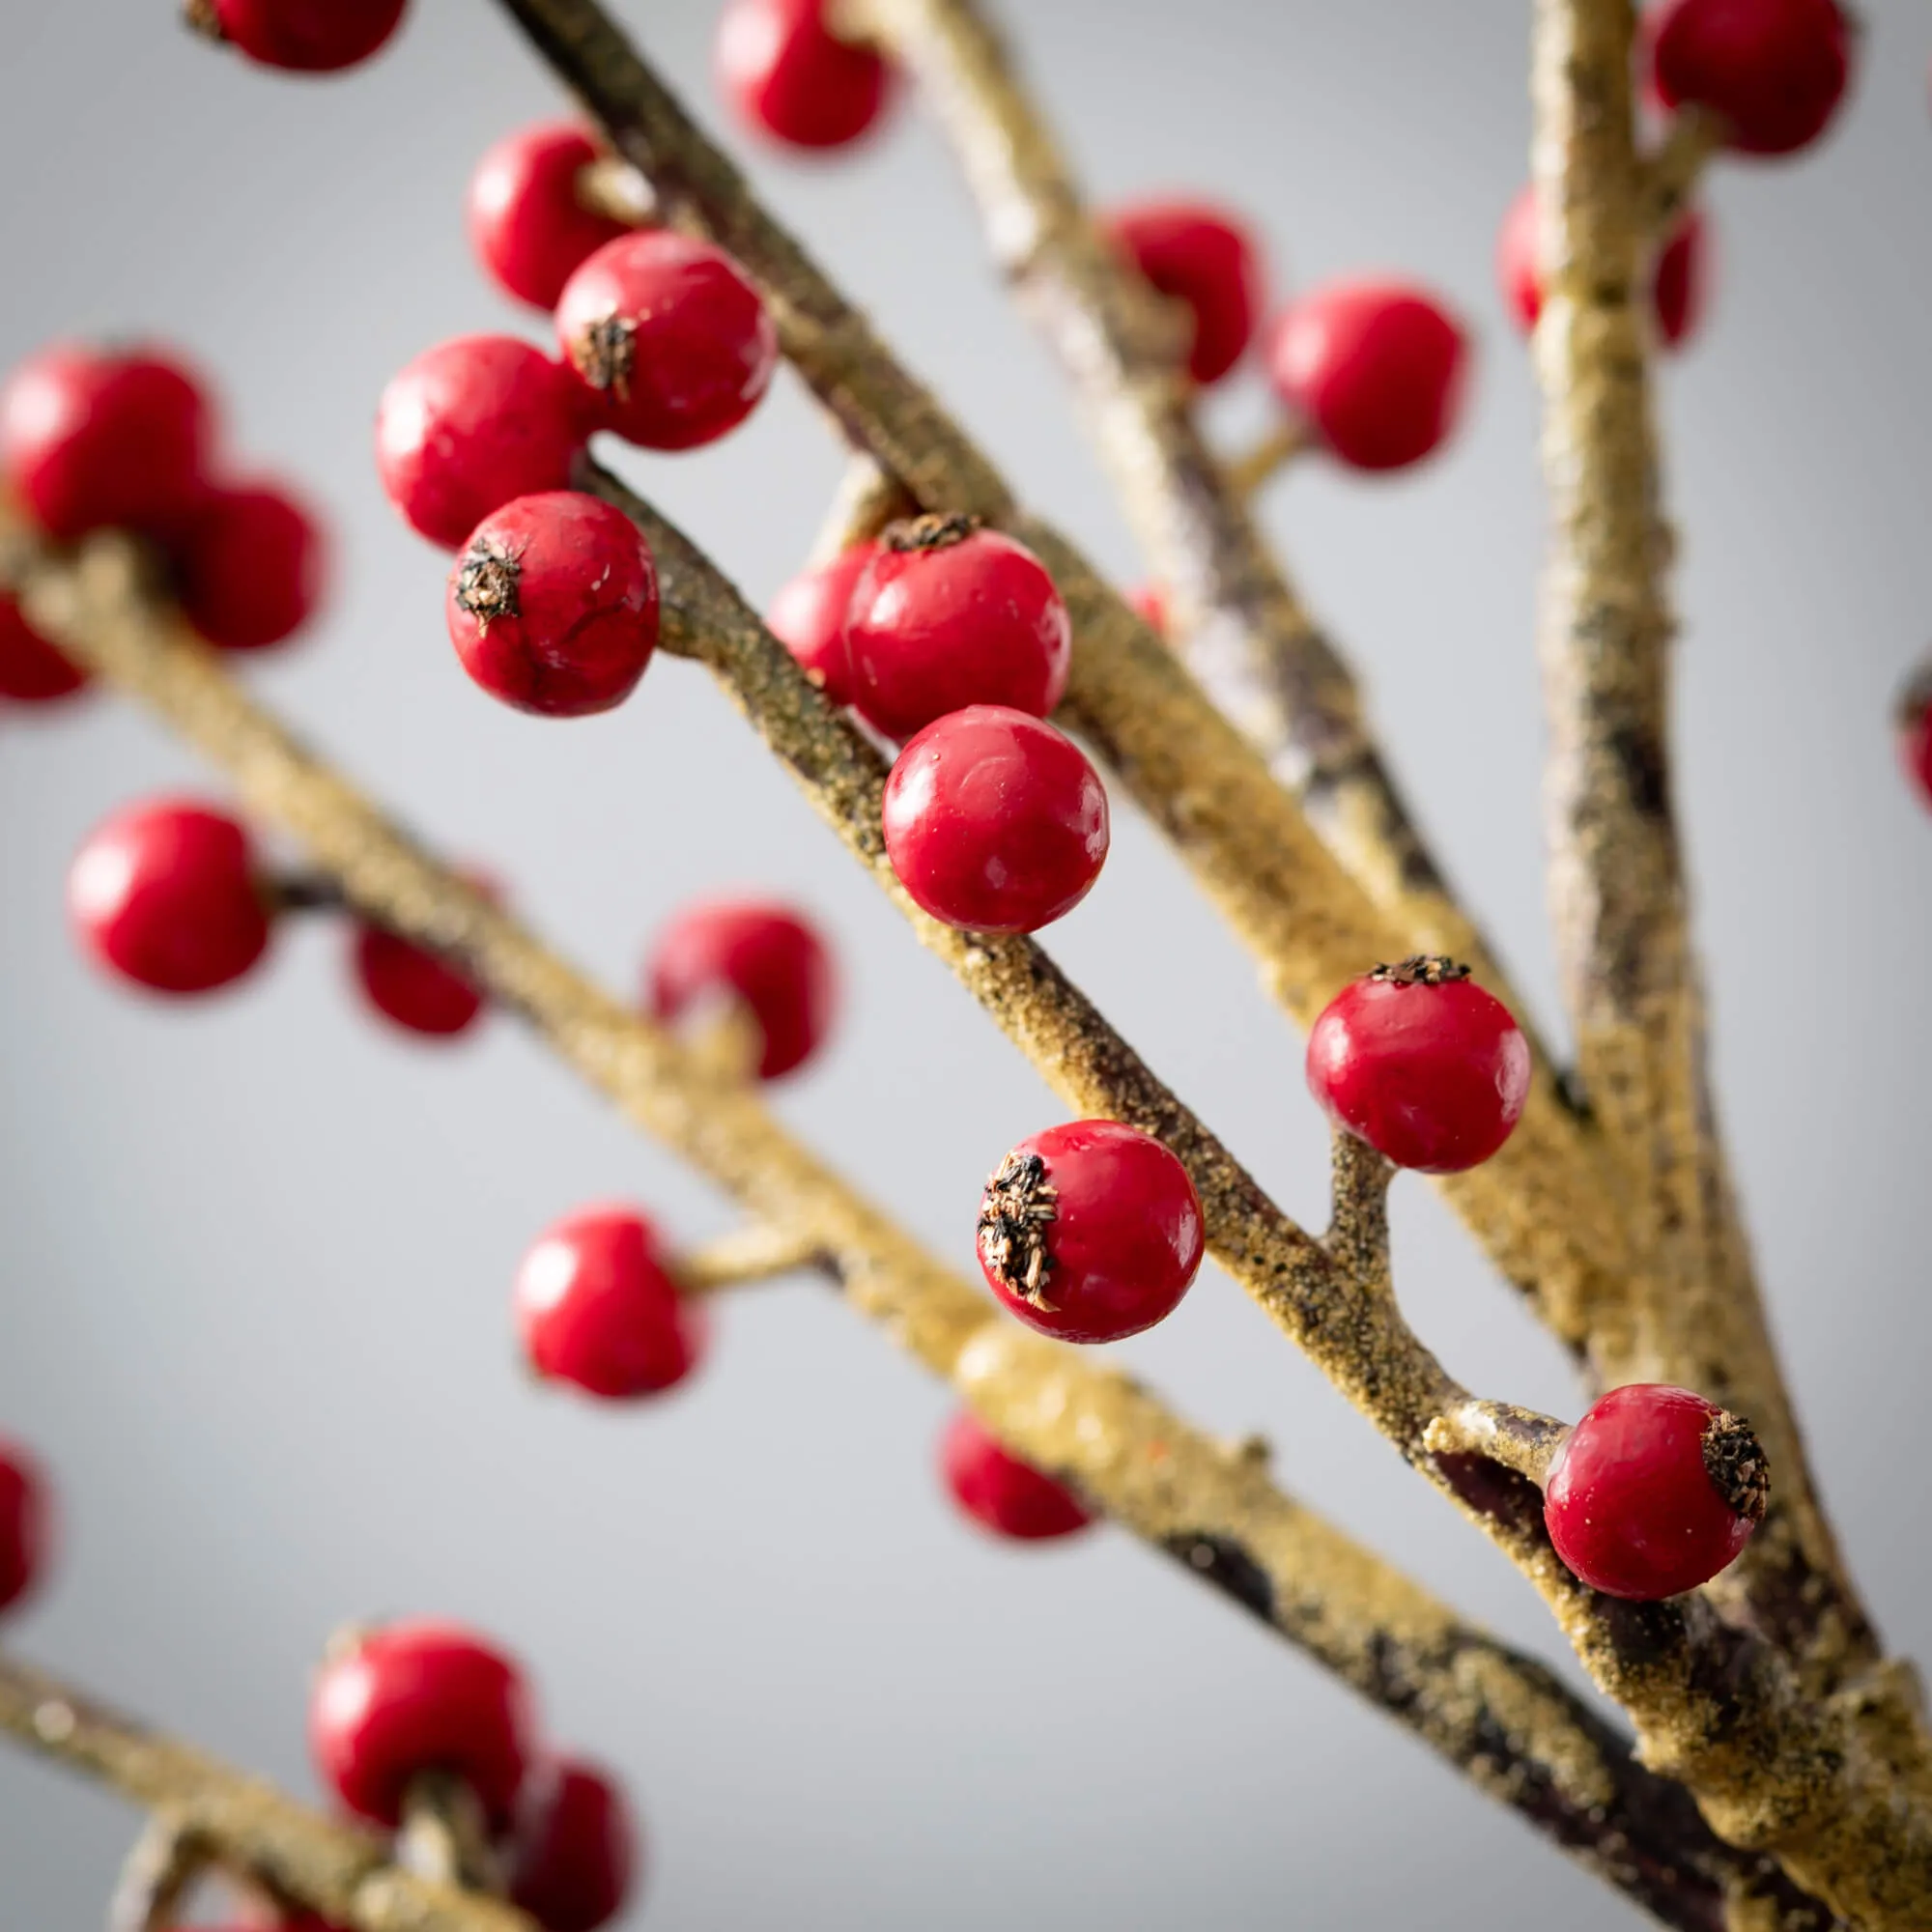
340	1871
1539	1207
1692	1313
745	1254
1495	1716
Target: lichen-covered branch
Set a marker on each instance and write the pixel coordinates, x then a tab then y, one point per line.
1539	1207
341	1871
1692	1313
1498	1717
1721	1708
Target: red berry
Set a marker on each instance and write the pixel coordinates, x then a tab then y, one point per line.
791	76
1203	256
250	567
1376	368
1913	721
167	895
1091	1232
947	615
755	953
808	617
405	984
528	222
573	1855
304	36
597	1307
1421	1064
553	607
1150	606
1677	283
1774	69
95	441
418	1696
994	821
26	1522
1654	1492
470	424
672	341
31	671
1000	1492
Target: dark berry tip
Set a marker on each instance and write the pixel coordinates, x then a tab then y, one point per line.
604	351
1421	969
486	585
934	531
201	17
1018	1208
1735	1461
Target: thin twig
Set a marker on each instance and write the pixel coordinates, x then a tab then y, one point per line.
445	1834
750	1254
865	501
166	1861
1692	1313
1145	1466
1539	1207
1244	477
1669	173
340	1871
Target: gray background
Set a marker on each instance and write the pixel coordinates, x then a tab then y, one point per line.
257	1252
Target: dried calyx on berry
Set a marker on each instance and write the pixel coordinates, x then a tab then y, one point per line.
1013	1217
1735	1461
1421	969
938	530
486	580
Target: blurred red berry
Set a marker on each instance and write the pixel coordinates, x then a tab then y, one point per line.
1377	369
792	77
416	1696
32	670
26	1522
1201	255
574	1854
764	956
1000	1491
528	222
1775	70
250	567
303	36
93	440
167	894
410	986
808	617
597	1307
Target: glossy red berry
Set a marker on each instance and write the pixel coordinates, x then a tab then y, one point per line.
32	670
553	606
303	36
1376	368
1000	1491
250	567
1421	1064
1912	717
91	440
994	821
1774	69
470	424
808	617
412	988
416	1696
791	76
948	615
596	1306
758	954
528	222
672	342
1678	279
573	1858
167	894
1091	1232
1203	256
1654	1492
26	1522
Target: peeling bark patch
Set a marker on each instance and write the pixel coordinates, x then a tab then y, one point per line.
1639	759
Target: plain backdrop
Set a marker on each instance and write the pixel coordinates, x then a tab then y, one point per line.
254	1299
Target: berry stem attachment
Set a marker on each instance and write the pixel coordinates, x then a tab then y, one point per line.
162	1867
611	186
446	1835
865	501
302	892
1246	474
1359	1229
1518	1438
1668	177
758	1252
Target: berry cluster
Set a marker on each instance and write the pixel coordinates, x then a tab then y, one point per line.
171	895
93	440
396	1705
